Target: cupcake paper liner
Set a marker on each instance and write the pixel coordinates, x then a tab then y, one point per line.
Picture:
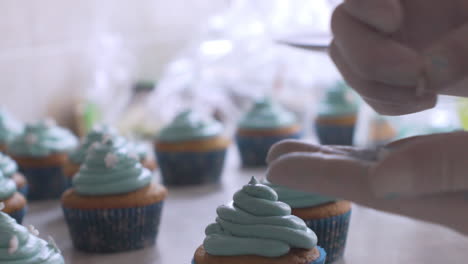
320	260
254	149
44	183
24	190
189	168
113	230
335	135
332	233
19	215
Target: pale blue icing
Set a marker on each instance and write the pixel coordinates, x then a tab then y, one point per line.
110	168
189	125
42	139
267	114
30	248
7	166
256	223
9	127
338	101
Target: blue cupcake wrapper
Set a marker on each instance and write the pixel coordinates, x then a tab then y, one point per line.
24	190
332	233
44	182
113	230
320	260
335	135
254	149
19	215
190	168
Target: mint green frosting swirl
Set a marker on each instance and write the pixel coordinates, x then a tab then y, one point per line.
7	166
109	168
97	134
7	187
31	249
9	127
188	125
42	139
266	114
297	199
256	223
338	101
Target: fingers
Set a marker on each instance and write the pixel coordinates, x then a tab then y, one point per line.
444	209
328	174
294	145
373	56
447	60
385	99
384	15
421	165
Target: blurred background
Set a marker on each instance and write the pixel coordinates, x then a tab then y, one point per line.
135	64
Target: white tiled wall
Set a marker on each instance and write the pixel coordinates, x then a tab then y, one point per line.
48	47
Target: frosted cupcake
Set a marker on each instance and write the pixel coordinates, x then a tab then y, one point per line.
328	217
337	116
114	204
256	228
21	245
9	168
191	150
9	129
41	151
14	202
97	134
264	125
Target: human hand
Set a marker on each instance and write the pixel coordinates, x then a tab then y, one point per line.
421	177
398	55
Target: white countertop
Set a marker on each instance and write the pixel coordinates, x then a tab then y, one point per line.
374	237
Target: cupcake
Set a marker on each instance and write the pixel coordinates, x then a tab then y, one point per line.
9	168
191	150
328	217
41	151
264	125
97	134
21	245
256	228
9	129
114	204
337	116
14	202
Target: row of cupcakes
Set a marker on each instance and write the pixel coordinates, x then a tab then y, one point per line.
115	205
45	153
192	149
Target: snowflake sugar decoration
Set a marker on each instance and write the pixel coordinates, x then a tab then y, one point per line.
33	230
52	243
111	160
13	245
31	139
2	206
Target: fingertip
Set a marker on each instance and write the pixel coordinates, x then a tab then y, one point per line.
288	146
